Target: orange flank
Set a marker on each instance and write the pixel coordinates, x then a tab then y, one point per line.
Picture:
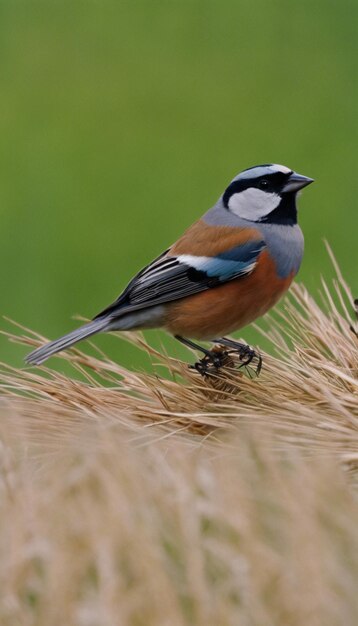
231	306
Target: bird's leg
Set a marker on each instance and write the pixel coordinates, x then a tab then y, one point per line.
211	357
246	353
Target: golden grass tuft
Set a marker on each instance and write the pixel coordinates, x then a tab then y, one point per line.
128	498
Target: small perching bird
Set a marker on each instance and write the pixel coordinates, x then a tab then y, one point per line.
229	267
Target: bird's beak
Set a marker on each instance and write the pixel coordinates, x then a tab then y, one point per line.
296	182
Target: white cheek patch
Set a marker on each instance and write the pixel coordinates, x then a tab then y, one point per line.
253	204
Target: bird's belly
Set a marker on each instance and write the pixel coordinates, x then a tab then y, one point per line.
223	309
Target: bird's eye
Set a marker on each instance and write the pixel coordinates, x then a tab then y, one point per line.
264	184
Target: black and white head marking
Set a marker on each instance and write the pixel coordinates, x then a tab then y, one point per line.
265	193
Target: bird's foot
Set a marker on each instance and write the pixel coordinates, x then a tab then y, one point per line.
212	362
221	356
246	353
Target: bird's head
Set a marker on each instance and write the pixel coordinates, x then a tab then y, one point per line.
265	193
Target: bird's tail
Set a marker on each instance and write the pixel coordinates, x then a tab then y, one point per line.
40	355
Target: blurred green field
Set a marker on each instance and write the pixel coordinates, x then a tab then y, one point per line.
121	123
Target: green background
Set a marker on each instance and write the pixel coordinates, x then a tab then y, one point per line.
122	122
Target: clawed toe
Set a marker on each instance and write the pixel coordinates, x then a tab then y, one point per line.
248	355
221	356
211	363
245	352
214	360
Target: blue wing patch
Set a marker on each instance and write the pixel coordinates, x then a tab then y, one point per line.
227	265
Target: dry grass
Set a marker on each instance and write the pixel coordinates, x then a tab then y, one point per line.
131	499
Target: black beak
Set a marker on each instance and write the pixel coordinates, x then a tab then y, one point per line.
296	182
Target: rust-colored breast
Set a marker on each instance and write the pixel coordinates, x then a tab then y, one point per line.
229	307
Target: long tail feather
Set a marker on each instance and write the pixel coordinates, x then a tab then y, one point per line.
40	355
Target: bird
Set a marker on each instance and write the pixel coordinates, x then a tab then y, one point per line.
227	269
